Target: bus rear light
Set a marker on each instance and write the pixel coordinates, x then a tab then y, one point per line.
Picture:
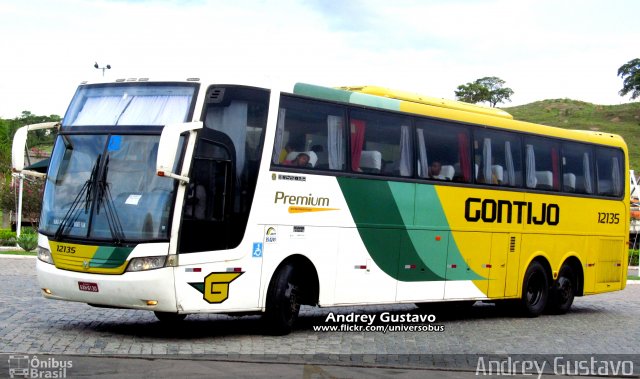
234	269
453	266
360	267
193	269
486	266
409	267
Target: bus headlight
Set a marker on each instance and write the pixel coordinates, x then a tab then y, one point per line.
45	255
146	263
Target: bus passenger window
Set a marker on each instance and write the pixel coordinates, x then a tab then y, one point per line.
381	143
443	151
610	164
310	135
497	158
542	163
577	168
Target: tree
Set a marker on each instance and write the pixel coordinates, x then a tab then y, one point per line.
31	197
35	139
32	193
489	89
630	73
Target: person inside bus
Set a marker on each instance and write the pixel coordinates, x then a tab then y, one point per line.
284	152
301	160
434	171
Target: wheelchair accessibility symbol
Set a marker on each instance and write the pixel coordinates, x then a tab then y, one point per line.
257	249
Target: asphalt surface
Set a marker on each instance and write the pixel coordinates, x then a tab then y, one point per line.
127	343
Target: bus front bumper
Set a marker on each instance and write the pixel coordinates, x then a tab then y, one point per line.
152	290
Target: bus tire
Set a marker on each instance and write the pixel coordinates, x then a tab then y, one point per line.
563	291
535	290
283	301
169	318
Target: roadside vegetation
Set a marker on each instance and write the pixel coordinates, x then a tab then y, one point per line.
623	119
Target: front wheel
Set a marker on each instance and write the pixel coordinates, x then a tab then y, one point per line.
563	291
283	301
535	290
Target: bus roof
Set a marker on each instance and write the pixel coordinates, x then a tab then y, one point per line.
380	97
395	100
428	100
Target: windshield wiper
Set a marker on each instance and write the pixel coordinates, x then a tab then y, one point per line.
73	213
104	194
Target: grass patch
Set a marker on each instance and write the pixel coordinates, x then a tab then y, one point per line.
623	119
632	277
19	252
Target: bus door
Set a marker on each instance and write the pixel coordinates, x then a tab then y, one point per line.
210	275
207	204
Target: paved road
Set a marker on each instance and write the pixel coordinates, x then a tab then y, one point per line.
604	324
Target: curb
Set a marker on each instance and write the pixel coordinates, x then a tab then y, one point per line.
15	256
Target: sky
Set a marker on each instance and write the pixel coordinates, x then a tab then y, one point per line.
542	49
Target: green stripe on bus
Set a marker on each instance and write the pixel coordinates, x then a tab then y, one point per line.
375	101
343	96
384	213
322	92
110	257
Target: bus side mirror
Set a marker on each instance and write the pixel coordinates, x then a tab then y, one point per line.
19	145
168	146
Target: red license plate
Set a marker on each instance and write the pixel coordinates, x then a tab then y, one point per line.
87	286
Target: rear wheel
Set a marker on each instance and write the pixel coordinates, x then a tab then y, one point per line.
563	291
535	290
283	301
169	318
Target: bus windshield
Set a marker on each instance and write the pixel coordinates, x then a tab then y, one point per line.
129	104
106	188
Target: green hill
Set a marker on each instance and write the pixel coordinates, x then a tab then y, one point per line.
621	119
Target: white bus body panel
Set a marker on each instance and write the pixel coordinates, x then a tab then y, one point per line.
243	294
129	290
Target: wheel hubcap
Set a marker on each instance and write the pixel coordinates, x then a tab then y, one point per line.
534	290
564	289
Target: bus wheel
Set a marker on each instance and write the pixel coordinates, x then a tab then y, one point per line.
169	318
563	291
535	290
283	301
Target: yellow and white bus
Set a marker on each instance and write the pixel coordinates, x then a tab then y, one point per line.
184	197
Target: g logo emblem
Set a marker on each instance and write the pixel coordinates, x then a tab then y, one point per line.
216	286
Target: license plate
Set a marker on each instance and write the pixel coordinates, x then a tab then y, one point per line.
87	286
